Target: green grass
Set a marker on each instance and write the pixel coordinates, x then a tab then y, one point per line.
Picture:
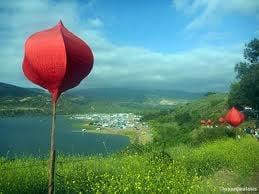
210	107
179	169
182	124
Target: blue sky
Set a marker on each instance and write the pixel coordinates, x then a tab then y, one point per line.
191	45
159	26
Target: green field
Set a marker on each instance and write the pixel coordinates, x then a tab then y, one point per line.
178	169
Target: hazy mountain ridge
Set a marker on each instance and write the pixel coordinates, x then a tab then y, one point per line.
18	101
124	94
16	91
104	94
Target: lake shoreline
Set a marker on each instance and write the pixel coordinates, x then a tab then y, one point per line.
140	136
25	136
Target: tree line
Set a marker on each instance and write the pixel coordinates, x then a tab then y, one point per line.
245	91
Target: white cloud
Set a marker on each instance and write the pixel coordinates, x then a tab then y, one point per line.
94	22
206	12
206	68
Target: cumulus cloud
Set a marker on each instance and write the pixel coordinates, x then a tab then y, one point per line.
198	69
210	11
178	70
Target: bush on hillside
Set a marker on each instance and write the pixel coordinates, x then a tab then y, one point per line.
170	134
204	134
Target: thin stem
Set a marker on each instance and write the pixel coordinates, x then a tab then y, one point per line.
52	152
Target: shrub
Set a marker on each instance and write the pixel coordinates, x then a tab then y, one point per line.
205	134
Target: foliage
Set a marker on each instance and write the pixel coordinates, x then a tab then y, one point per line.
183	118
157	115
249	85
176	170
241	69
206	134
176	126
246	91
251	52
211	107
169	134
236	98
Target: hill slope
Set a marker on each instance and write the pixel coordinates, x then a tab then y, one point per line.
210	107
125	94
16	100
182	124
104	94
15	91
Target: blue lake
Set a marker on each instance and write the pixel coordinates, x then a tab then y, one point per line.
29	135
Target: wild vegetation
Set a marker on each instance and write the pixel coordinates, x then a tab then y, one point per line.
140	170
184	156
182	125
245	91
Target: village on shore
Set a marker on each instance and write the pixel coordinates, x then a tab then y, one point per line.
112	121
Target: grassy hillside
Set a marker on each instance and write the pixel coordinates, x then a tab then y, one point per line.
176	170
12	91
210	107
182	124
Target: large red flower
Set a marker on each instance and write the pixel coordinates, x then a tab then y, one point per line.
56	60
234	117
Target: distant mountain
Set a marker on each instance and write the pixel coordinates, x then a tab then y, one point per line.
104	94
124	94
15	91
19	101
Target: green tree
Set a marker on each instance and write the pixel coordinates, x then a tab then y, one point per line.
251	55
236	96
246	90
241	69
249	85
251	52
